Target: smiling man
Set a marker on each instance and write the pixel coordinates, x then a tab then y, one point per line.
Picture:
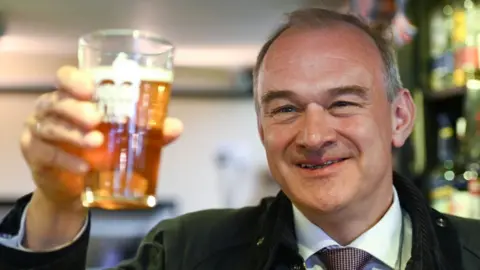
327	124
330	106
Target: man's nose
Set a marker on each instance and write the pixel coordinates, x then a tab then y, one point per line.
316	130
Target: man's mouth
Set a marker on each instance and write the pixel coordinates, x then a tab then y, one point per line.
315	166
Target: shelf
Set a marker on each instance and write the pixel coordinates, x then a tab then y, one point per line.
445	94
7	202
161	205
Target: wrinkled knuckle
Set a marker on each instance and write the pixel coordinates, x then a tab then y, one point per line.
61	96
48	129
68	131
41	101
64	107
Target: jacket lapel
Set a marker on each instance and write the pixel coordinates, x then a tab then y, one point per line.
448	239
424	243
276	234
434	246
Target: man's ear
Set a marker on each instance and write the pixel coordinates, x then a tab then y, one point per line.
403	117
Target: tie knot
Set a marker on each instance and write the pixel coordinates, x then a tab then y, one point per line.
344	258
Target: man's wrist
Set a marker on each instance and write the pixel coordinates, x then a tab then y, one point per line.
21	235
72	207
52	224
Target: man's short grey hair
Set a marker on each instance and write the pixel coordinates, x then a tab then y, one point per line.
319	18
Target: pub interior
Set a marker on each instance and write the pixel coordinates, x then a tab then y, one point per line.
219	161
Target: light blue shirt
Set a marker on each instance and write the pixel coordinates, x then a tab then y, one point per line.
382	241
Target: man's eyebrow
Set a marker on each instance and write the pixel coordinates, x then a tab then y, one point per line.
271	95
357	90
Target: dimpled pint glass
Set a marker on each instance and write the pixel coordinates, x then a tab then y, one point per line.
133	73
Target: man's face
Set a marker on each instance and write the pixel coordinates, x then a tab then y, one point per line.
325	120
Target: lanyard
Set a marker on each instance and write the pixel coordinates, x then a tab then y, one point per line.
399	263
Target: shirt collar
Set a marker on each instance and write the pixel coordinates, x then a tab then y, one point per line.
311	239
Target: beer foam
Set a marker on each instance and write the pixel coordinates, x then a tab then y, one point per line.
144	73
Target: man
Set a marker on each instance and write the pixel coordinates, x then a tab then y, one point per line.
330	106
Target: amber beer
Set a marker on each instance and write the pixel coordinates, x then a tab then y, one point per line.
125	168
133	73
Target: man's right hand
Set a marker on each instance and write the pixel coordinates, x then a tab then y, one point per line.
62	124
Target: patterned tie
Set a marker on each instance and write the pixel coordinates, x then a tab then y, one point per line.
344	258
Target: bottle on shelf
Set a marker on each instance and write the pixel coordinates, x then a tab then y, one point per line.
473	168
460	197
441	49
467	161
466	15
442	176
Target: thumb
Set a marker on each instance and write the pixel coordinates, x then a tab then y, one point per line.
172	129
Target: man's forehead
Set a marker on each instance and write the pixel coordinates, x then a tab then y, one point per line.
340	54
339	40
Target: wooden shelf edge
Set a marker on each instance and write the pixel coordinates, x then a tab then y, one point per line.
444	94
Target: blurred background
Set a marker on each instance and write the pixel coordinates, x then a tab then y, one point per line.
219	161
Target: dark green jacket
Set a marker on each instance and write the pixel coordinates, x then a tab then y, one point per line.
256	238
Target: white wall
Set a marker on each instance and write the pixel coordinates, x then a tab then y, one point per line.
188	172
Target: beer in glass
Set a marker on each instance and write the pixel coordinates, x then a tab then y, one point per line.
133	73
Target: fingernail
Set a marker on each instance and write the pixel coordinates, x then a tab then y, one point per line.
92	114
93	139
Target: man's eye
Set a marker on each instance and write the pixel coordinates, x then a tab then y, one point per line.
285	109
343	104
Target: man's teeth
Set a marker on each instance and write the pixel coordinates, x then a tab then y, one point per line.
319	166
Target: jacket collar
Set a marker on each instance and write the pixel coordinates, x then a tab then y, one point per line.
434	246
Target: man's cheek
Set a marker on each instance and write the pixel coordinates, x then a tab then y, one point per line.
362	131
274	140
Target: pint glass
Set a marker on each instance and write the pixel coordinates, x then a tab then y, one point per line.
133	72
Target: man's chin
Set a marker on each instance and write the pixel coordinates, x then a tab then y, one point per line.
327	208
322	204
